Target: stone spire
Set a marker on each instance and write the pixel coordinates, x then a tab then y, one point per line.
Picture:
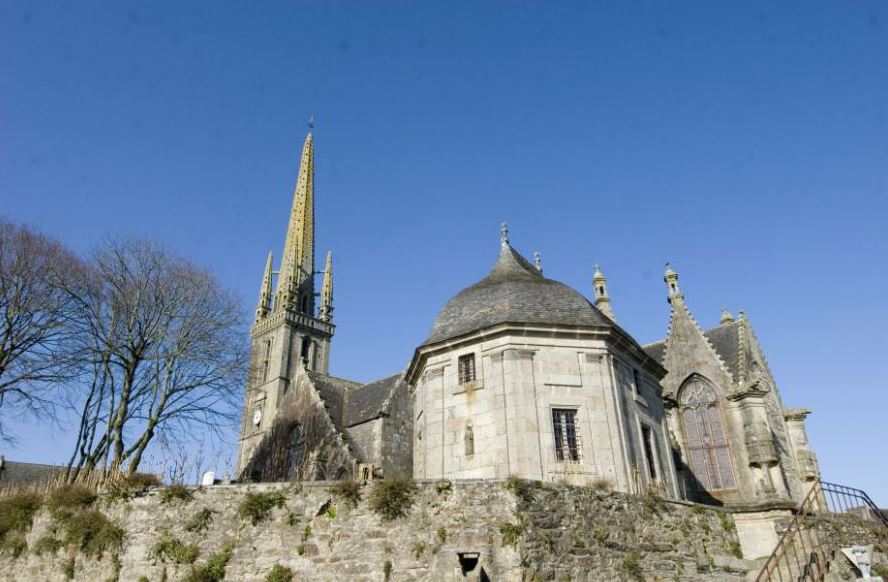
326	309
295	289
671	279
265	291
602	299
504	234
538	261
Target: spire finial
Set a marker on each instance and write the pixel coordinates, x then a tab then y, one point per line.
671	279
726	316
538	261
311	122
602	300
504	233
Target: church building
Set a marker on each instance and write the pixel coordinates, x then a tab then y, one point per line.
520	376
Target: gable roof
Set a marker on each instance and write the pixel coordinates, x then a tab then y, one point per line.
724	338
349	403
15	473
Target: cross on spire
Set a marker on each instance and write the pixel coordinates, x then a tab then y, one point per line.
504	233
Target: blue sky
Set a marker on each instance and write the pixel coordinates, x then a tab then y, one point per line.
745	142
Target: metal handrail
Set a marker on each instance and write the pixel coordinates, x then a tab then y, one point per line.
801	554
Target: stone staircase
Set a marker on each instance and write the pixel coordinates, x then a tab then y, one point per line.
830	517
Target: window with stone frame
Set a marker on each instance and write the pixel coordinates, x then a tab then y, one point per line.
466	368
708	452
649	442
567	435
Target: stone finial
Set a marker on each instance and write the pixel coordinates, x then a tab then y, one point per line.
538	261
726	316
602	300
311	122
504	234
671	279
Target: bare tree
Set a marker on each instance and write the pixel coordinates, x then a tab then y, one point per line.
162	345
34	320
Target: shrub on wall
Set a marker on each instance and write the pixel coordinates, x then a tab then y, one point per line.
279	574
392	498
257	506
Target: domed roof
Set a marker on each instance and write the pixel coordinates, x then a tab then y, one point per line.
514	292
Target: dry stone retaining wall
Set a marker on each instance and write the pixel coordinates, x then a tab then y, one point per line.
517	531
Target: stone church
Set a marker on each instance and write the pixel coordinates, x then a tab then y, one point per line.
520	376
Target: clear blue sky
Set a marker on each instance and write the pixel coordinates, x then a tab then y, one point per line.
745	142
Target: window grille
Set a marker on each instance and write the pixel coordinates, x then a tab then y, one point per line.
647	437
567	436
467	368
708	452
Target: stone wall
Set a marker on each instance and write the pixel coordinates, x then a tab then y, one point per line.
519	531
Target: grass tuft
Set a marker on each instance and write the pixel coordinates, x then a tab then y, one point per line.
257	506
200	520
279	574
176	493
213	570
348	491
170	548
392	498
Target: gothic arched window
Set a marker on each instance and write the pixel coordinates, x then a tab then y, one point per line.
708	451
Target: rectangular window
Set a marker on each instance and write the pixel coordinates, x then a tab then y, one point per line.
467	368
567	438
636	379
647	437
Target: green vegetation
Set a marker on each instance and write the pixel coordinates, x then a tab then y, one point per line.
170	548
348	491
442	535
144	579
90	532
14	545
300	549
200	520
736	550
213	570
257	506
16	516
330	511
68	497
47	544
881	570
392	498
522	489
68	568
176	492
418	550
510	533
279	574
131	485
443	487
387	569
631	565
602	485
727	523
306	533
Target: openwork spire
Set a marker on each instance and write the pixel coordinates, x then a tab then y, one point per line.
265	291
602	299
326	310
296	280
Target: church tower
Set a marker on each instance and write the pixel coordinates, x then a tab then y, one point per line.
288	330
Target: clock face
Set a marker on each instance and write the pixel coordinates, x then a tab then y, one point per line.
257	416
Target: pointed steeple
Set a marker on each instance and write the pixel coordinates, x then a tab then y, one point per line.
264	305
326	310
671	279
296	280
602	299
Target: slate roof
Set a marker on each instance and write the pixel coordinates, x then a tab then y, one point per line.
349	403
15	473
333	392
514	292
725	338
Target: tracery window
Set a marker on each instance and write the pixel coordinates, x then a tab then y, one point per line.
708	451
295	449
